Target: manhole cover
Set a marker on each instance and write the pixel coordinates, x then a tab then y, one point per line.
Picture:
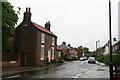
100	69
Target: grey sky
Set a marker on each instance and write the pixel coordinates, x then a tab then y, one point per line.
78	22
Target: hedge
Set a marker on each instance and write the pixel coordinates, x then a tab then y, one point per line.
115	58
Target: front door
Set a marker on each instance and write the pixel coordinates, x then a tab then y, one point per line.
49	55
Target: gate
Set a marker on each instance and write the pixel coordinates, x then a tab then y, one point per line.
116	71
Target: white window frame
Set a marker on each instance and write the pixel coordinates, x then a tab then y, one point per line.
53	52
59	53
53	41
42	52
42	38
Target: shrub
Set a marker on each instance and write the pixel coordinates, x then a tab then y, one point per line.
53	61
100	58
115	58
106	59
47	61
65	56
74	58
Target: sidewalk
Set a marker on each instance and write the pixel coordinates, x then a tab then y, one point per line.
100	63
24	69
98	72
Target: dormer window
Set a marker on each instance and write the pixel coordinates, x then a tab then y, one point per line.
42	38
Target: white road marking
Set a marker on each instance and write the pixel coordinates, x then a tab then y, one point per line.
86	72
77	75
12	76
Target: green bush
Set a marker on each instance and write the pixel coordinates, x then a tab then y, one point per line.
53	61
74	58
115	58
106	59
47	61
100	58
65	56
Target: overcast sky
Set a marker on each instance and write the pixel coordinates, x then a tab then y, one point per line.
77	22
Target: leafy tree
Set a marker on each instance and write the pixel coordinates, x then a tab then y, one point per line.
84	49
9	19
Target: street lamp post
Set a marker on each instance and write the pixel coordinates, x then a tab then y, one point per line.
110	36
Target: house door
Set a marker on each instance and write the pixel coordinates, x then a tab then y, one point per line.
49	55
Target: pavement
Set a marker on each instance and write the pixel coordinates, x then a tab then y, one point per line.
98	72
31	68
25	69
100	63
28	68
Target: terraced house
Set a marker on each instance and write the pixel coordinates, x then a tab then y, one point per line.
34	44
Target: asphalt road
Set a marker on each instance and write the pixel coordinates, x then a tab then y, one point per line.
70	69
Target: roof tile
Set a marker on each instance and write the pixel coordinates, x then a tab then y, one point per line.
43	29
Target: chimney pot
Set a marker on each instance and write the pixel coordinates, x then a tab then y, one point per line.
27	14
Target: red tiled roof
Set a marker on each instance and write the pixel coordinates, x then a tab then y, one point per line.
43	29
58	48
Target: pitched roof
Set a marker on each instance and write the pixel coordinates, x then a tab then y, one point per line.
59	48
43	29
64	46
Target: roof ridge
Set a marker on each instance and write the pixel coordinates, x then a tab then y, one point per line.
43	29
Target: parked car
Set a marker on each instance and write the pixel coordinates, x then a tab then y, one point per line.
85	58
91	60
81	59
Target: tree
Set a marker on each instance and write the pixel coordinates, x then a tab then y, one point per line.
84	49
9	20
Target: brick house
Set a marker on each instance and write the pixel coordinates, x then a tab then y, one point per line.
59	53
34	44
66	49
116	47
70	51
79	52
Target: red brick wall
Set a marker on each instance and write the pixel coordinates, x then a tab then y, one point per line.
47	44
8	64
9	57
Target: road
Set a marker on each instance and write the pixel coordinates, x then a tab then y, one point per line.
70	69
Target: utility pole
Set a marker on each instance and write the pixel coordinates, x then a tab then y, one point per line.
99	49
96	47
110	36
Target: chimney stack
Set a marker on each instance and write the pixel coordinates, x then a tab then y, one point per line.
64	43
47	25
69	45
27	14
114	39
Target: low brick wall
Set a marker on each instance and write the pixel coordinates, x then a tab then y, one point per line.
10	64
